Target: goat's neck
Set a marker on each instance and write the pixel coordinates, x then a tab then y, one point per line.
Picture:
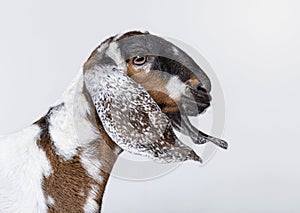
80	153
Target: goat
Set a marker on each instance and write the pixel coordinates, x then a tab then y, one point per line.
128	96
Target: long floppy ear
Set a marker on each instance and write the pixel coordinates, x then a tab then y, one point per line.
132	118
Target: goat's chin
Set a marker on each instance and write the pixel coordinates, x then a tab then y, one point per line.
202	109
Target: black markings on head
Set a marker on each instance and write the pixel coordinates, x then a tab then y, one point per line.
172	67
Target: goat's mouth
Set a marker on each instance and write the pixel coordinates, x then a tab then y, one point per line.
193	103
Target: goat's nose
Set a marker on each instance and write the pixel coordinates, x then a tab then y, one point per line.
201	93
199	87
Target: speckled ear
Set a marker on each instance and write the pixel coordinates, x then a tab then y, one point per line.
132	118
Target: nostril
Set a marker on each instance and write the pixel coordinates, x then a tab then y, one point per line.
199	87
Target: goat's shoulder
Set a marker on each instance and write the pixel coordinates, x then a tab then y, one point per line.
23	165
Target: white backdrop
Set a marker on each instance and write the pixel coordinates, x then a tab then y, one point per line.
253	47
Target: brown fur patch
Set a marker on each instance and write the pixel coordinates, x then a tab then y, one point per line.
164	101
69	184
155	86
193	81
131	69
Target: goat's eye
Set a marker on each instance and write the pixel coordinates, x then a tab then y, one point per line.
139	60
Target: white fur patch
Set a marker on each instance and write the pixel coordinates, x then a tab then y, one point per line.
81	193
114	52
91	205
147	67
23	165
50	201
92	165
69	126
175	87
175	50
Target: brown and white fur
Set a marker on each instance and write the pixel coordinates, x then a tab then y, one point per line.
59	164
62	162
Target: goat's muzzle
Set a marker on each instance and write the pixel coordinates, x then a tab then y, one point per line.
195	101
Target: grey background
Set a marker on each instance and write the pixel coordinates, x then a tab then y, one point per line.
253	47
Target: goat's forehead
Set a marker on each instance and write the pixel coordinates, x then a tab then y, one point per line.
126	47
146	45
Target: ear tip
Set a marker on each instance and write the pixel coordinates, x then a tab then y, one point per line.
195	157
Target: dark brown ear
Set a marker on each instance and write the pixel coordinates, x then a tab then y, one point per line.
132	118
